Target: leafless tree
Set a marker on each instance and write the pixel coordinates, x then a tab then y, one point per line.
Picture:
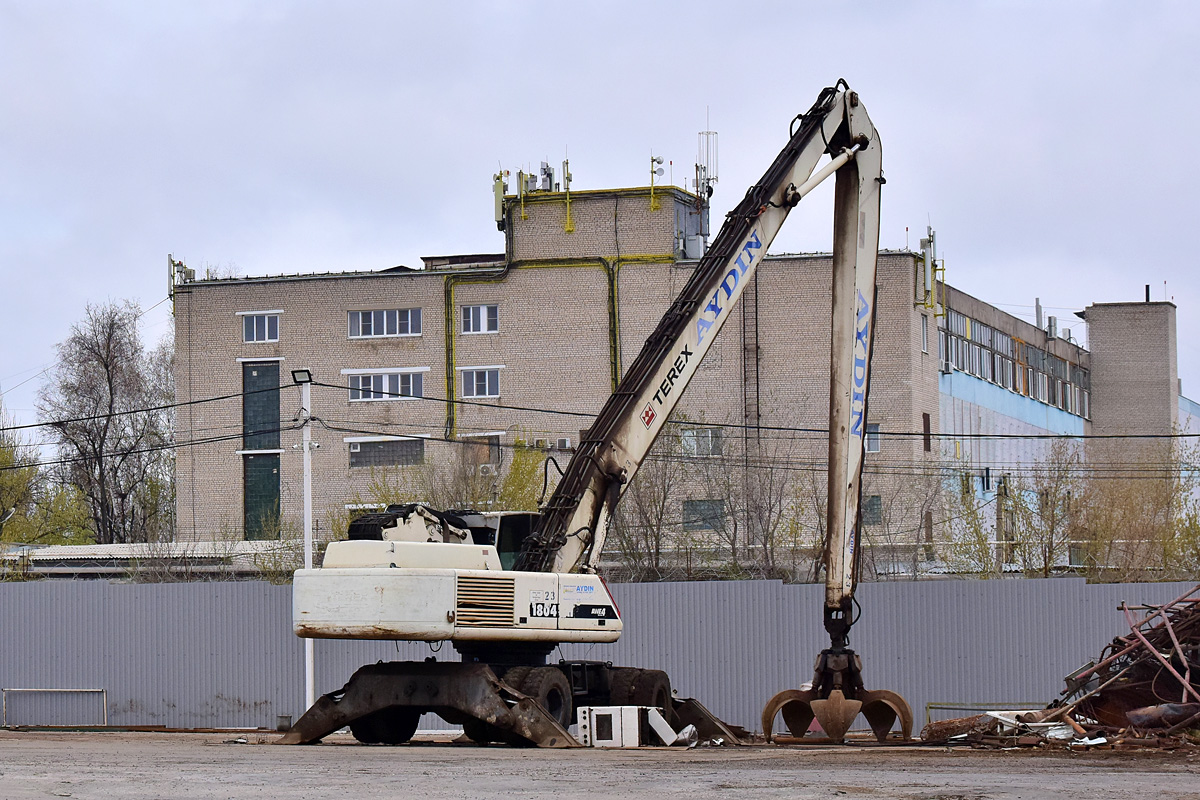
97	400
969	543
1139	518
1036	509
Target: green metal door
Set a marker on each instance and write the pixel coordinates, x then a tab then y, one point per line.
260	431
260	479
260	406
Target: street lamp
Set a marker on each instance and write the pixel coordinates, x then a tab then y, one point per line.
303	378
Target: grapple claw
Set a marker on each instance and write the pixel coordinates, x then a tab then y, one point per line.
796	708
836	714
837	697
882	708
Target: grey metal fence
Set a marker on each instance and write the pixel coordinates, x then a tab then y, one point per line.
212	655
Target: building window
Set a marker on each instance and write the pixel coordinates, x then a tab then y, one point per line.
872	510
386	385
924	334
703	515
872	439
260	327
701	441
387	453
387	322
481	382
956	322
260	406
480	319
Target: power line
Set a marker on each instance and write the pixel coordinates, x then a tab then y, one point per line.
771	428
49	367
149	449
128	412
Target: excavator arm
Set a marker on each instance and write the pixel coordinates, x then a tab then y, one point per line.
419	575
570	533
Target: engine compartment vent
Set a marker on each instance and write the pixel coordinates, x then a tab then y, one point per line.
484	602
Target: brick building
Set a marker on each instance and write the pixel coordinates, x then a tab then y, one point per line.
464	358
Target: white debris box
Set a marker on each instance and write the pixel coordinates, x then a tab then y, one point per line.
610	726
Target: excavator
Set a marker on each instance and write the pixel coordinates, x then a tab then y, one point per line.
506	588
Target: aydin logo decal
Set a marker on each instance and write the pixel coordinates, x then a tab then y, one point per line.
728	285
858	391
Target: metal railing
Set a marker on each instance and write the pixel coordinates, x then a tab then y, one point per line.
979	708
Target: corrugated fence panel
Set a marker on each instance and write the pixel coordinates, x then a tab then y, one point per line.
223	655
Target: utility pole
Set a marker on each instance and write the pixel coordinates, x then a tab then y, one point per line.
303	377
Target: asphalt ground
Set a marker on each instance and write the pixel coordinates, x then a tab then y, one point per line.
107	765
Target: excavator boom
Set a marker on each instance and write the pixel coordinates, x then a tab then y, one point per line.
571	531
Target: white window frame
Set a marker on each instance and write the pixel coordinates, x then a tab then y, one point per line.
478	319
350	441
474	381
267	316
924	333
387	392
871	439
413	313
701	442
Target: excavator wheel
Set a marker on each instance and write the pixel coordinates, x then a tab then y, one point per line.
480	732
621	688
515	676
551	689
386	726
653	688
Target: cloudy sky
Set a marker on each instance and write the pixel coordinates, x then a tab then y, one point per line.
1051	144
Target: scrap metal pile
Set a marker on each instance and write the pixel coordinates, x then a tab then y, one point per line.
1143	691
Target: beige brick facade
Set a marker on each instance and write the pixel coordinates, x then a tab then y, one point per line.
1134	366
574	304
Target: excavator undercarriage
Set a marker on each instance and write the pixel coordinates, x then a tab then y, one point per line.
530	706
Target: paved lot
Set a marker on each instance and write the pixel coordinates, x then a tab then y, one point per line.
160	765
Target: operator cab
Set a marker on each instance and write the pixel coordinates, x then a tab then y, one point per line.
504	530
417	522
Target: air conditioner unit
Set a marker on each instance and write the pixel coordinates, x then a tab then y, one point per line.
487	469
355	447
543	444
564	443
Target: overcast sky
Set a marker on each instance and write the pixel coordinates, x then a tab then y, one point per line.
1052	145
